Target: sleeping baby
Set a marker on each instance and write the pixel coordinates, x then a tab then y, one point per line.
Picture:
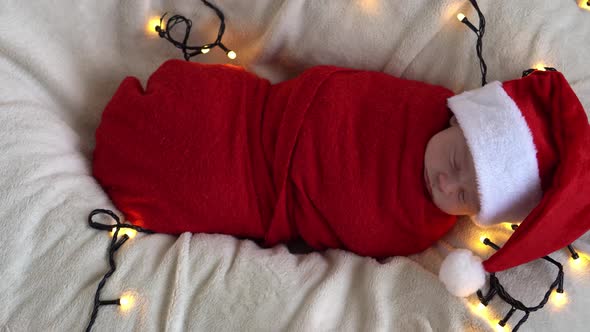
336	158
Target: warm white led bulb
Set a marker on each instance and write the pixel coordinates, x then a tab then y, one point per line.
131	233
558	299
124	300
460	17
150	28
205	50
540	66
231	54
500	328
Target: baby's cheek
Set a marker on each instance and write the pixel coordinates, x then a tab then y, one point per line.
447	206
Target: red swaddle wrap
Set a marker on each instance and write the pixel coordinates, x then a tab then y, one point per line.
334	157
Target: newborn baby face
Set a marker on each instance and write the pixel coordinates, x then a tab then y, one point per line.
449	172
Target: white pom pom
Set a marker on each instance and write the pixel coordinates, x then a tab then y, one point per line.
462	273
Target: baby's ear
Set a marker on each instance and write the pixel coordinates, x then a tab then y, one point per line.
453	122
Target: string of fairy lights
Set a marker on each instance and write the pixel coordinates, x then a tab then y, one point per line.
128	231
191	51
479	32
495	287
122	232
555	293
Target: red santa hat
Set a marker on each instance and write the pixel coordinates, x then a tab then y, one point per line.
530	142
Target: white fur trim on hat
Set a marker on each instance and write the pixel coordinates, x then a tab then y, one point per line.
462	273
503	151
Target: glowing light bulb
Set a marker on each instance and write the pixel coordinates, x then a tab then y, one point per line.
205	50
479	243
231	54
580	263
485	313
558	299
460	17
584	4
150	28
125	231
540	66
501	328
371	7
126	301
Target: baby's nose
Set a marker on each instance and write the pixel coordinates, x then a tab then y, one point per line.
447	184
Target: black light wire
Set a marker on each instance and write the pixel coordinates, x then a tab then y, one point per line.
187	50
496	288
115	245
479	32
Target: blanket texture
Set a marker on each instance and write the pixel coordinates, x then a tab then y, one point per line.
60	63
334	157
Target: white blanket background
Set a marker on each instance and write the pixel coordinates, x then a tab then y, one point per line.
60	61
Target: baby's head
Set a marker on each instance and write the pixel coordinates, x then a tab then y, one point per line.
527	141
499	151
449	172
